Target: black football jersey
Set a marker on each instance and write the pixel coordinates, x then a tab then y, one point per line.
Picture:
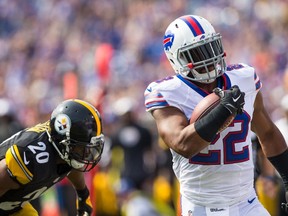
34	163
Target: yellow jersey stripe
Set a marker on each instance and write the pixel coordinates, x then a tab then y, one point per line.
17	167
94	113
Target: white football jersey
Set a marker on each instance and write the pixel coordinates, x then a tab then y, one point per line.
222	173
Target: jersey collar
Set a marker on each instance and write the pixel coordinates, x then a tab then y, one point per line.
223	82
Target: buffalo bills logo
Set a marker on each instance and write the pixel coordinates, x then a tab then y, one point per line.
168	40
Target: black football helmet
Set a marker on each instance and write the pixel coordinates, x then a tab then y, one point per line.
76	133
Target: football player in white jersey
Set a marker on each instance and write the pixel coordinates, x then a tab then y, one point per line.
214	169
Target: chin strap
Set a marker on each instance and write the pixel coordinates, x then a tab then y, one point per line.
64	157
73	163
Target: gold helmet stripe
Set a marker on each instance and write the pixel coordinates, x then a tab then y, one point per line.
94	113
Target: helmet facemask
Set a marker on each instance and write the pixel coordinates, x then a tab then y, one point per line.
80	155
85	156
202	61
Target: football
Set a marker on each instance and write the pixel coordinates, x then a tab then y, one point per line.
205	106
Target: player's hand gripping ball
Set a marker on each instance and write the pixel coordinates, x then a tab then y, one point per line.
205	106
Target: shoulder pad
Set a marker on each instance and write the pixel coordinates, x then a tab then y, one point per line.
16	166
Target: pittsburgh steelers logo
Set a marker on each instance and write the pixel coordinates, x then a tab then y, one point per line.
62	124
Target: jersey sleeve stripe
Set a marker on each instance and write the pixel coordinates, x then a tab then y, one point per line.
155	99
258	83
156	104
16	166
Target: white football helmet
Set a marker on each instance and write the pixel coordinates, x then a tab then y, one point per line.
194	49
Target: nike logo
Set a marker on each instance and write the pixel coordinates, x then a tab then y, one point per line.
25	160
251	201
236	99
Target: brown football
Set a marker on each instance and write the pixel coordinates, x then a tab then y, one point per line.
205	106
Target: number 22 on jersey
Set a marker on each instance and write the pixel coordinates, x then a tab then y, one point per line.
230	152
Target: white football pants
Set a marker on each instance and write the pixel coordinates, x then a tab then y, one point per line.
249	207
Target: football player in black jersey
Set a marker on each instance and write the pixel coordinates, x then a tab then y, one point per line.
36	158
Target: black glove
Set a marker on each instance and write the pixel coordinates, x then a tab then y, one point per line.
84	206
284	206
280	163
232	99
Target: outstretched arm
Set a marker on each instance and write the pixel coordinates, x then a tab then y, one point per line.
84	205
272	142
270	138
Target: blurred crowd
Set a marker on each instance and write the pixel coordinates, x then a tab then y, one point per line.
106	52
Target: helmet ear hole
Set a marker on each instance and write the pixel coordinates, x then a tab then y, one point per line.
171	60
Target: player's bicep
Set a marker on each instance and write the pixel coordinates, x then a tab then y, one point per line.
170	122
177	133
271	139
6	182
261	122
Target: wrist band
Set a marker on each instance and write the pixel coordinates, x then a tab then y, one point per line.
280	163
208	126
83	194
